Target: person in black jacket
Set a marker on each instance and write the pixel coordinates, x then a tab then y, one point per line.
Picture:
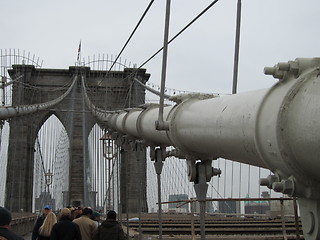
65	229
110	229
40	221
5	232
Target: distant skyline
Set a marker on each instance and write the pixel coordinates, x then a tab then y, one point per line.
201	59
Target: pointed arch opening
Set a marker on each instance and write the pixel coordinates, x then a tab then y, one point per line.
51	165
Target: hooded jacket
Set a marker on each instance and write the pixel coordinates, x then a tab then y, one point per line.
109	230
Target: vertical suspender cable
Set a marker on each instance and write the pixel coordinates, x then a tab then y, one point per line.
102	159
84	150
97	166
236	65
249	173
104	169
53	142
259	184
118	182
232	187
160	123
218	187
236	52
240	180
160	206
94	162
113	180
127	193
225	178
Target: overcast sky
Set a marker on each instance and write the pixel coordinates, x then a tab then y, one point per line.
201	59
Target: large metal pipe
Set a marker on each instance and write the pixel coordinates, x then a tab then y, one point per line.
276	128
217	127
146	125
203	128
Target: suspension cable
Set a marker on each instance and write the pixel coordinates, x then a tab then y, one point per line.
151	89
131	35
172	39
180	32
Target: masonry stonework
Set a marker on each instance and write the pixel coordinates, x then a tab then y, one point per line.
109	92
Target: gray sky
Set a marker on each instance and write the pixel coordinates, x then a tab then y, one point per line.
201	59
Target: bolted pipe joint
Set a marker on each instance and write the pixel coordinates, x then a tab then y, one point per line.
209	171
279	71
291	66
275	72
285	187
268	182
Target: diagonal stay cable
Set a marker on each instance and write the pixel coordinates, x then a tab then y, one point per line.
172	39
101	112
131	35
180	32
41	157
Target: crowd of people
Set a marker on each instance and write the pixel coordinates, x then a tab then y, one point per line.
68	224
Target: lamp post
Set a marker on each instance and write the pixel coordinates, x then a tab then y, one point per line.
48	178
108	150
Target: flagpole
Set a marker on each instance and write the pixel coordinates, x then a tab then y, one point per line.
79	54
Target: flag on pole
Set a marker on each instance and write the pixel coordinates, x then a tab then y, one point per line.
79	50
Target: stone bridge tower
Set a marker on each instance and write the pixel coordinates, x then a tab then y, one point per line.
114	91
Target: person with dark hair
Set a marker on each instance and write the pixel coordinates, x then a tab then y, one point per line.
5	232
110	229
65	229
96	217
86	225
76	212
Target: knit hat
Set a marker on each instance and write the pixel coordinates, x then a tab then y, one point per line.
5	216
111	215
96	214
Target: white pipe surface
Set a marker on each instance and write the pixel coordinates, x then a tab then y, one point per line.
130	122
218	127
